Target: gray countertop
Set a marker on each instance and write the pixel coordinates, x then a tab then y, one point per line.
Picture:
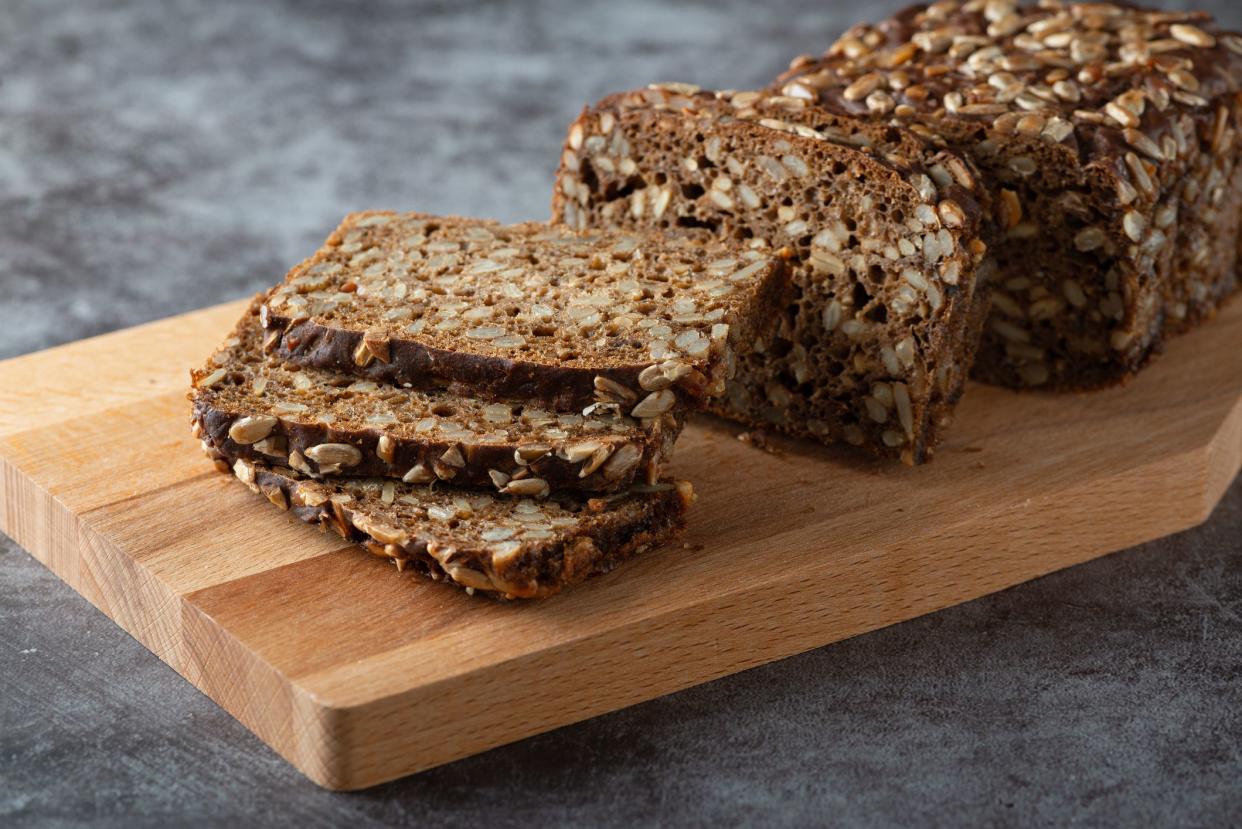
157	157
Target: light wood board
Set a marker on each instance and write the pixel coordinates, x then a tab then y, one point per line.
357	674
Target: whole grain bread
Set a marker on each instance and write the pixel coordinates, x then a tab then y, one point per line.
1107	133
509	547
886	232
525	312
321	422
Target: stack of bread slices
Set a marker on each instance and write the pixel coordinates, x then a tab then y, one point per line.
486	404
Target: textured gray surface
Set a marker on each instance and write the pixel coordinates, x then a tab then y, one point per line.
158	157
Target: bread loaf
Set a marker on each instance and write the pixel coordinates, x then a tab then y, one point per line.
885	231
526	312
1108	136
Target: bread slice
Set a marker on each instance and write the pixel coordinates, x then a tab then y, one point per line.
510	547
887	238
1109	134
525	312
326	423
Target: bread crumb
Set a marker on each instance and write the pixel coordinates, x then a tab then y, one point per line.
758	439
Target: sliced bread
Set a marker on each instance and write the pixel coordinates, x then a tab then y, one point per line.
510	547
526	312
886	232
321	422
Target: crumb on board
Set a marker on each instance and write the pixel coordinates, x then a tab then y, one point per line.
758	439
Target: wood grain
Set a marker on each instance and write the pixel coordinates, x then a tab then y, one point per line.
357	674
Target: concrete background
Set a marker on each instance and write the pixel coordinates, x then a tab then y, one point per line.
157	157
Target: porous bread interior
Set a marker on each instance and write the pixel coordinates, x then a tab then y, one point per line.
255	384
1077	302
1041	199
1051	303
875	338
1205	258
527	292
1050	300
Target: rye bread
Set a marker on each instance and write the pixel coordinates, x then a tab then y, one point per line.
886	230
1108	135
256	406
525	312
509	547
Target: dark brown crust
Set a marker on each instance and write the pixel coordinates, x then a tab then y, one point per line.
213	425
539	572
418	366
563	388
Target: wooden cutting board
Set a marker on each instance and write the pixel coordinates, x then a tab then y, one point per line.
357	674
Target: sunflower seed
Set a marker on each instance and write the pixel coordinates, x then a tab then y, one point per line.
654	404
609	389
418	474
530	487
1192	35
334	454
385	447
252	429
530	453
212	378
595	461
622	462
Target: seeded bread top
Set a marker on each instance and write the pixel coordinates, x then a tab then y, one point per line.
516	310
1096	79
934	172
902	150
